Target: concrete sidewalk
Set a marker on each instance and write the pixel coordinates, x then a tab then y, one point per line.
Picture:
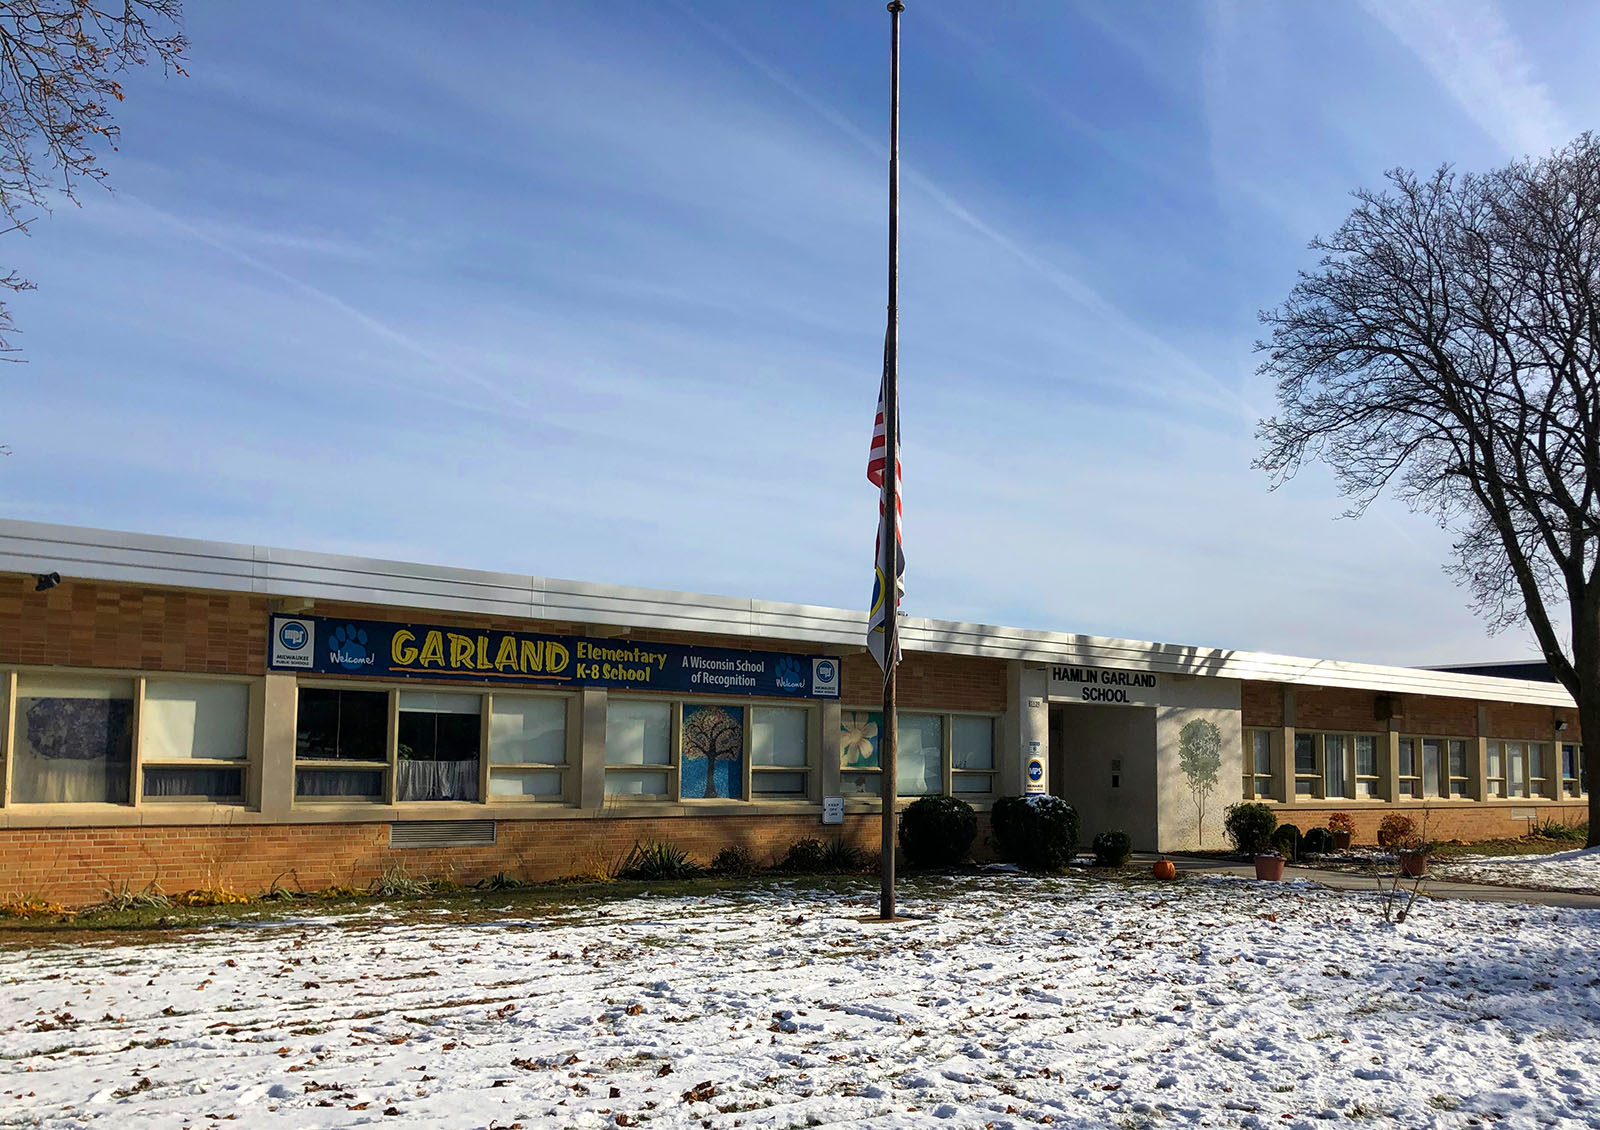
1367	881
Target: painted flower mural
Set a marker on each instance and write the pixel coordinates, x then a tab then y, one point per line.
858	742
713	752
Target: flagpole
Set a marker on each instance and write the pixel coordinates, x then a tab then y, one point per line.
887	754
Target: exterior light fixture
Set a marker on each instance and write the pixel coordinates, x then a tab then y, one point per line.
43	582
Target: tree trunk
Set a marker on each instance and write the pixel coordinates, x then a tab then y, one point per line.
1586	667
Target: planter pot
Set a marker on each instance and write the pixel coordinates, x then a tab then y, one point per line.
1269	867
1341	841
1413	864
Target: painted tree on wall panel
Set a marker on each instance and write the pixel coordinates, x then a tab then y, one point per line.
1200	758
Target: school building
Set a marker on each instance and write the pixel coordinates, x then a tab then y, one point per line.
203	714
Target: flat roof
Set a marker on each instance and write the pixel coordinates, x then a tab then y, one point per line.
149	559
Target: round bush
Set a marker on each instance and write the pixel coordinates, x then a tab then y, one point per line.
937	831
1249	826
1112	849
1038	833
1287	840
808	855
1317	841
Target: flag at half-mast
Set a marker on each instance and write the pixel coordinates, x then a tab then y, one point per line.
881	609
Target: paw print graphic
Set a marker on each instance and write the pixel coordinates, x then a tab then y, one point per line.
789	673
349	647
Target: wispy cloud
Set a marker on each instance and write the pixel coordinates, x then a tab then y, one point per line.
1472	52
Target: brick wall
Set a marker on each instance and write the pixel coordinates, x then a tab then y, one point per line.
1468	821
1261	704
929	682
77	866
83	624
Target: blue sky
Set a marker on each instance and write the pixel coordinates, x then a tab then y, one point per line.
597	291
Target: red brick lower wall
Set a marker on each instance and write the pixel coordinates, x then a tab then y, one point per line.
75	866
1467	820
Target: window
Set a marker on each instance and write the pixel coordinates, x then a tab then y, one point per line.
1538	763
440	735
349	729
1516	769
1496	770
1457	751
1410	782
713	753
73	741
638	747
1258	774
925	764
193	740
1431	766
527	747
971	754
1334	774
1366	749
779	758
1571	769
1305	765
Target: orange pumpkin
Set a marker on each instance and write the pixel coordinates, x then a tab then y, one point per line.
1164	869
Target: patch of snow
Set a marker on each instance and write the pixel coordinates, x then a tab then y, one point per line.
1559	871
1221	1002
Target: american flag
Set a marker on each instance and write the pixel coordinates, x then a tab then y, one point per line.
881	610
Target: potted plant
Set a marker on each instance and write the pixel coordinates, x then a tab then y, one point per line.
1414	857
1269	865
1343	827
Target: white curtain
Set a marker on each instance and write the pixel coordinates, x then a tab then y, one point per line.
436	780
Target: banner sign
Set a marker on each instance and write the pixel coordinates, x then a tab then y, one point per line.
1105	685
334	646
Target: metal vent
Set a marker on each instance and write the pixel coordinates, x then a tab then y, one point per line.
441	833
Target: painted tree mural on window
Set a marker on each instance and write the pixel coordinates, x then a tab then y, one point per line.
1200	758
713	752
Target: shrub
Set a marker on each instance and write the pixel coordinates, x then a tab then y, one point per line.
657	860
1035	832
1249	826
210	896
1342	822
839	854
734	862
808	854
1286	839
499	881
1112	849
1317	841
1556	830
937	831
1396	830
397	882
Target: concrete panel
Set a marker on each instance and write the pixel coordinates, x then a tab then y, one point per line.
1189	808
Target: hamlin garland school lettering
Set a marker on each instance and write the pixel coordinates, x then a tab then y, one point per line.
1103	685
329	646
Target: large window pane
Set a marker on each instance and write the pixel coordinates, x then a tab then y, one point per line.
635	783
74	741
778	737
539	783
712	760
1431	766
1366	755
638	733
1516	767
1333	775
343	725
1305	754
1261	752
184	720
770	783
527	731
920	749
971	742
440	735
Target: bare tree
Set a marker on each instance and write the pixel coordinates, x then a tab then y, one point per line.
59	62
1446	348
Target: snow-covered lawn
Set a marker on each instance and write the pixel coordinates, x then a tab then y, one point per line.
1214	1002
1563	871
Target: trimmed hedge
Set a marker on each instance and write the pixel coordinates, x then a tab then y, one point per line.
1038	833
937	831
1316	841
1287	840
1112	849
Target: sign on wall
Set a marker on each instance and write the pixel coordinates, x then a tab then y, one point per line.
335	646
1103	686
